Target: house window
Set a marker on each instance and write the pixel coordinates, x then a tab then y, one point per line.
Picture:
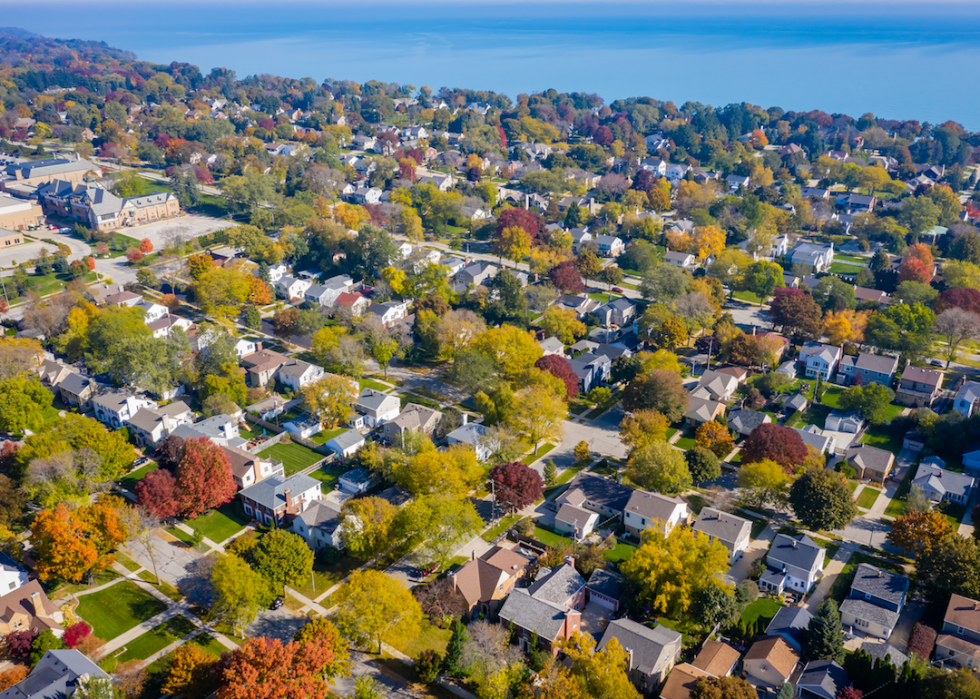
959	630
13	585
867	596
861	622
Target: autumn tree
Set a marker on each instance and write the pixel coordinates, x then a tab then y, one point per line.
563	324
795	311
512	350
956	326
221	292
157	492
916	532
457	329
366	526
454	471
763	483
284	322
566	277
515	485
146	247
239	593
12	675
822	500
777	443
661	390
559	367
23	401
723	688
670	569
660	467
441	523
204	477
715	437
373	608
70	544
324	632
845	326
541	415
267	668
190	672
514	243
601	673
330	399
951	565
283	558
642	427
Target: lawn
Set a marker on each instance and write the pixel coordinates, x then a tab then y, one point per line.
542	452
130	480
758	526
762	608
502	526
853	486
605	468
685	443
748	296
842	268
954	513
867	497
127	562
407	398
831	395
222	523
842	584
883	437
697	503
549	538
294	457
431	638
118	608
327	574
603	406
371	383
567	475
64	589
326	478
164	587
157	639
896	506
620	552
324	436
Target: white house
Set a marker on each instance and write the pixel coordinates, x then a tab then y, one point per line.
941	485
150	425
471	434
292	287
820	257
319	523
819	359
967	398
326	294
346	443
12	576
376	408
115	408
388	313
152	311
164	326
358	480
298	374
734	532
675	172
849	421
792	564
645	510
304	426
276	272
610	245
684	260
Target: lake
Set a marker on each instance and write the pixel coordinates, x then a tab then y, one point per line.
898	62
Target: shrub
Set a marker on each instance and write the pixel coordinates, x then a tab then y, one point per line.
922	640
75	633
428	665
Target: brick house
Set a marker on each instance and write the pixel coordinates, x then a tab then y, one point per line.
551	607
277	500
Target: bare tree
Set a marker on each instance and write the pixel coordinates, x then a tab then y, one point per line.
488	650
144	526
458	329
956	325
696	308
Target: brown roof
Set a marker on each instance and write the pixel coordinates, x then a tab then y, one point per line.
716	658
263	359
241	462
478	580
959	644
19	602
926	376
681	681
738	372
963	611
506	559
777	652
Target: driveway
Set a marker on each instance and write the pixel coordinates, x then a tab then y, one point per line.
365	665
281	623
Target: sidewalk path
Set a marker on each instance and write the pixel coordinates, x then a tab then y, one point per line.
830	574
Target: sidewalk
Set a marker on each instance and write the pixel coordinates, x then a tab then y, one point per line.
830	574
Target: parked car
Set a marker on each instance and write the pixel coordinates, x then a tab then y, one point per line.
66	229
276	604
140	461
936	362
618	290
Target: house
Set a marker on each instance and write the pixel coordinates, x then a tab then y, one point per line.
716	658
610	245
860	203
959	639
388	313
862	294
822	679
319	523
592	370
472	434
867	368
820	257
292	287
849	421
552	346
581	306
304	426
277	500
276	272
326	294
701	410
619	312
605	588
797	403
358	480
52	373
769	664
163	327
819	359
580	236
967	398
651	653
681	680
77	391
814	193
346	444
598	494
355	301
19	215
376	408
813	437
919	388
657	166
876	600
485	581
870	462
297	374
684	260
12	575
475	274
550	608
792	564
150	425
675	172
645	510
743	421
58	674
575	521
734	532
414	418
738	181
115	408
243	346
790	623
913	441
941	485
27	608
716	385
262	367
248	469
741	374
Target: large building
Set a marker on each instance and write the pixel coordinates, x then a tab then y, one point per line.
18	215
38	172
101	210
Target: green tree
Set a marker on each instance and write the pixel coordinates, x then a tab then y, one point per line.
703	464
383	351
824	635
23	401
442	524
763	483
42	643
252	318
240	593
664	283
550	473
453	662
951	566
283	558
822	500
919	214
763	278
871	400
373	608
659	466
97	688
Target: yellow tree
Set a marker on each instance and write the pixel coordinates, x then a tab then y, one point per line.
513	351
541	413
671	569
845	326
457	330
678	241
454	472
563	324
661	359
221	293
707	241
603	673
544	257
642	427
874	178
714	436
330	398
514	243
373	608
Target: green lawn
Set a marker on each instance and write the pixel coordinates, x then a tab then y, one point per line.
831	395
431	638
327	575
853	486
127	562
542	452
765	608
758	526
749	296
954	513
222	523
842	584
567	475
867	497
328	479
549	538
407	398
164	587
896	506
620	552
130	480
371	383
502	526
324	436
63	589
118	608
294	457
157	639
697	503
842	268
685	443
603	406
883	437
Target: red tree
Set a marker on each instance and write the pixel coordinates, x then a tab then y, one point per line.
90	263
4	306
850	692
134	255
560	367
566	277
75	633
158	493
922	640
146	247
914	270
8	455
264	668
967	299
516	485
921	252
204	478
170	452
603	136
781	444
18	643
532	222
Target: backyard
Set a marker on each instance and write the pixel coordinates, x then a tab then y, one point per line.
118	608
130	480
294	457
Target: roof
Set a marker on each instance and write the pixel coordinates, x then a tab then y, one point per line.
678	256
680	683
373	400
969	392
271	492
716	658
241	460
719	384
603	491
703	409
321	515
721	525
75	383
932	476
871	458
532	614
19	601
558	585
828	353
358	476
926	376
790	621
55	676
744	420
801	552
348	439
879	363
825	678
653	505
479	580
963	611
647	645
295	367
775	651
868	611
470	433
606	583
814	438
880	583
575	516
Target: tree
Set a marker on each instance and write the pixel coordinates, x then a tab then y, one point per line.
204	477
550	473
914	270
956	326
822	500
703	464
559	367
512	350
284	322
762	278
671	569
170	452
950	566
42	643
661	390
566	277
366	526
763	483
457	330
451	472
189	673
916	532
324	632
541	414
221	292
950	684
795	311
582	451
659	466
871	400
97	688
22	403
75	633
515	485
19	356
69	544
13	675
588	264
488	656
283	558
383	351
643	427
146	246
552	682
777	443
715	437
563	324
373	608
240	593
665	283
330	398
252	317
442	523
824	635
723	688
267	668
599	673
441	599
366	687
514	243
17	644
845	326
453	662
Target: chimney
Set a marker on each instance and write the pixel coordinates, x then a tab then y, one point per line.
879	573
258	346
289	498
120	288
753	330
795	543
36	604
473	555
569	560
466	418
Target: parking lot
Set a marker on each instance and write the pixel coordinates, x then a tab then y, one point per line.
185	227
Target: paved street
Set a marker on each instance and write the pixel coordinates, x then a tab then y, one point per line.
281	623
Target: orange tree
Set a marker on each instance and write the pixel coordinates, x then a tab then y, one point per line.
72	543
715	437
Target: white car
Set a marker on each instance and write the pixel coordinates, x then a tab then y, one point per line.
65	230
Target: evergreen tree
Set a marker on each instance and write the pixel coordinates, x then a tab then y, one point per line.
786	691
264	274
824	636
253	319
453	663
550	473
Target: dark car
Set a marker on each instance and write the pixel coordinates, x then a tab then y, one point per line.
140	461
618	290
276	604
936	362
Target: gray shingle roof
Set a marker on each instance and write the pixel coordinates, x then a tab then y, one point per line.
744	420
789	622
75	383
606	583
877	363
868	611
652	505
880	583
801	552
721	525
647	645
825	678
271	492
532	614
348	439
602	491
55	676
557	586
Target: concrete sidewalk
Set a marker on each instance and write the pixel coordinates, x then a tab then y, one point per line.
830	574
